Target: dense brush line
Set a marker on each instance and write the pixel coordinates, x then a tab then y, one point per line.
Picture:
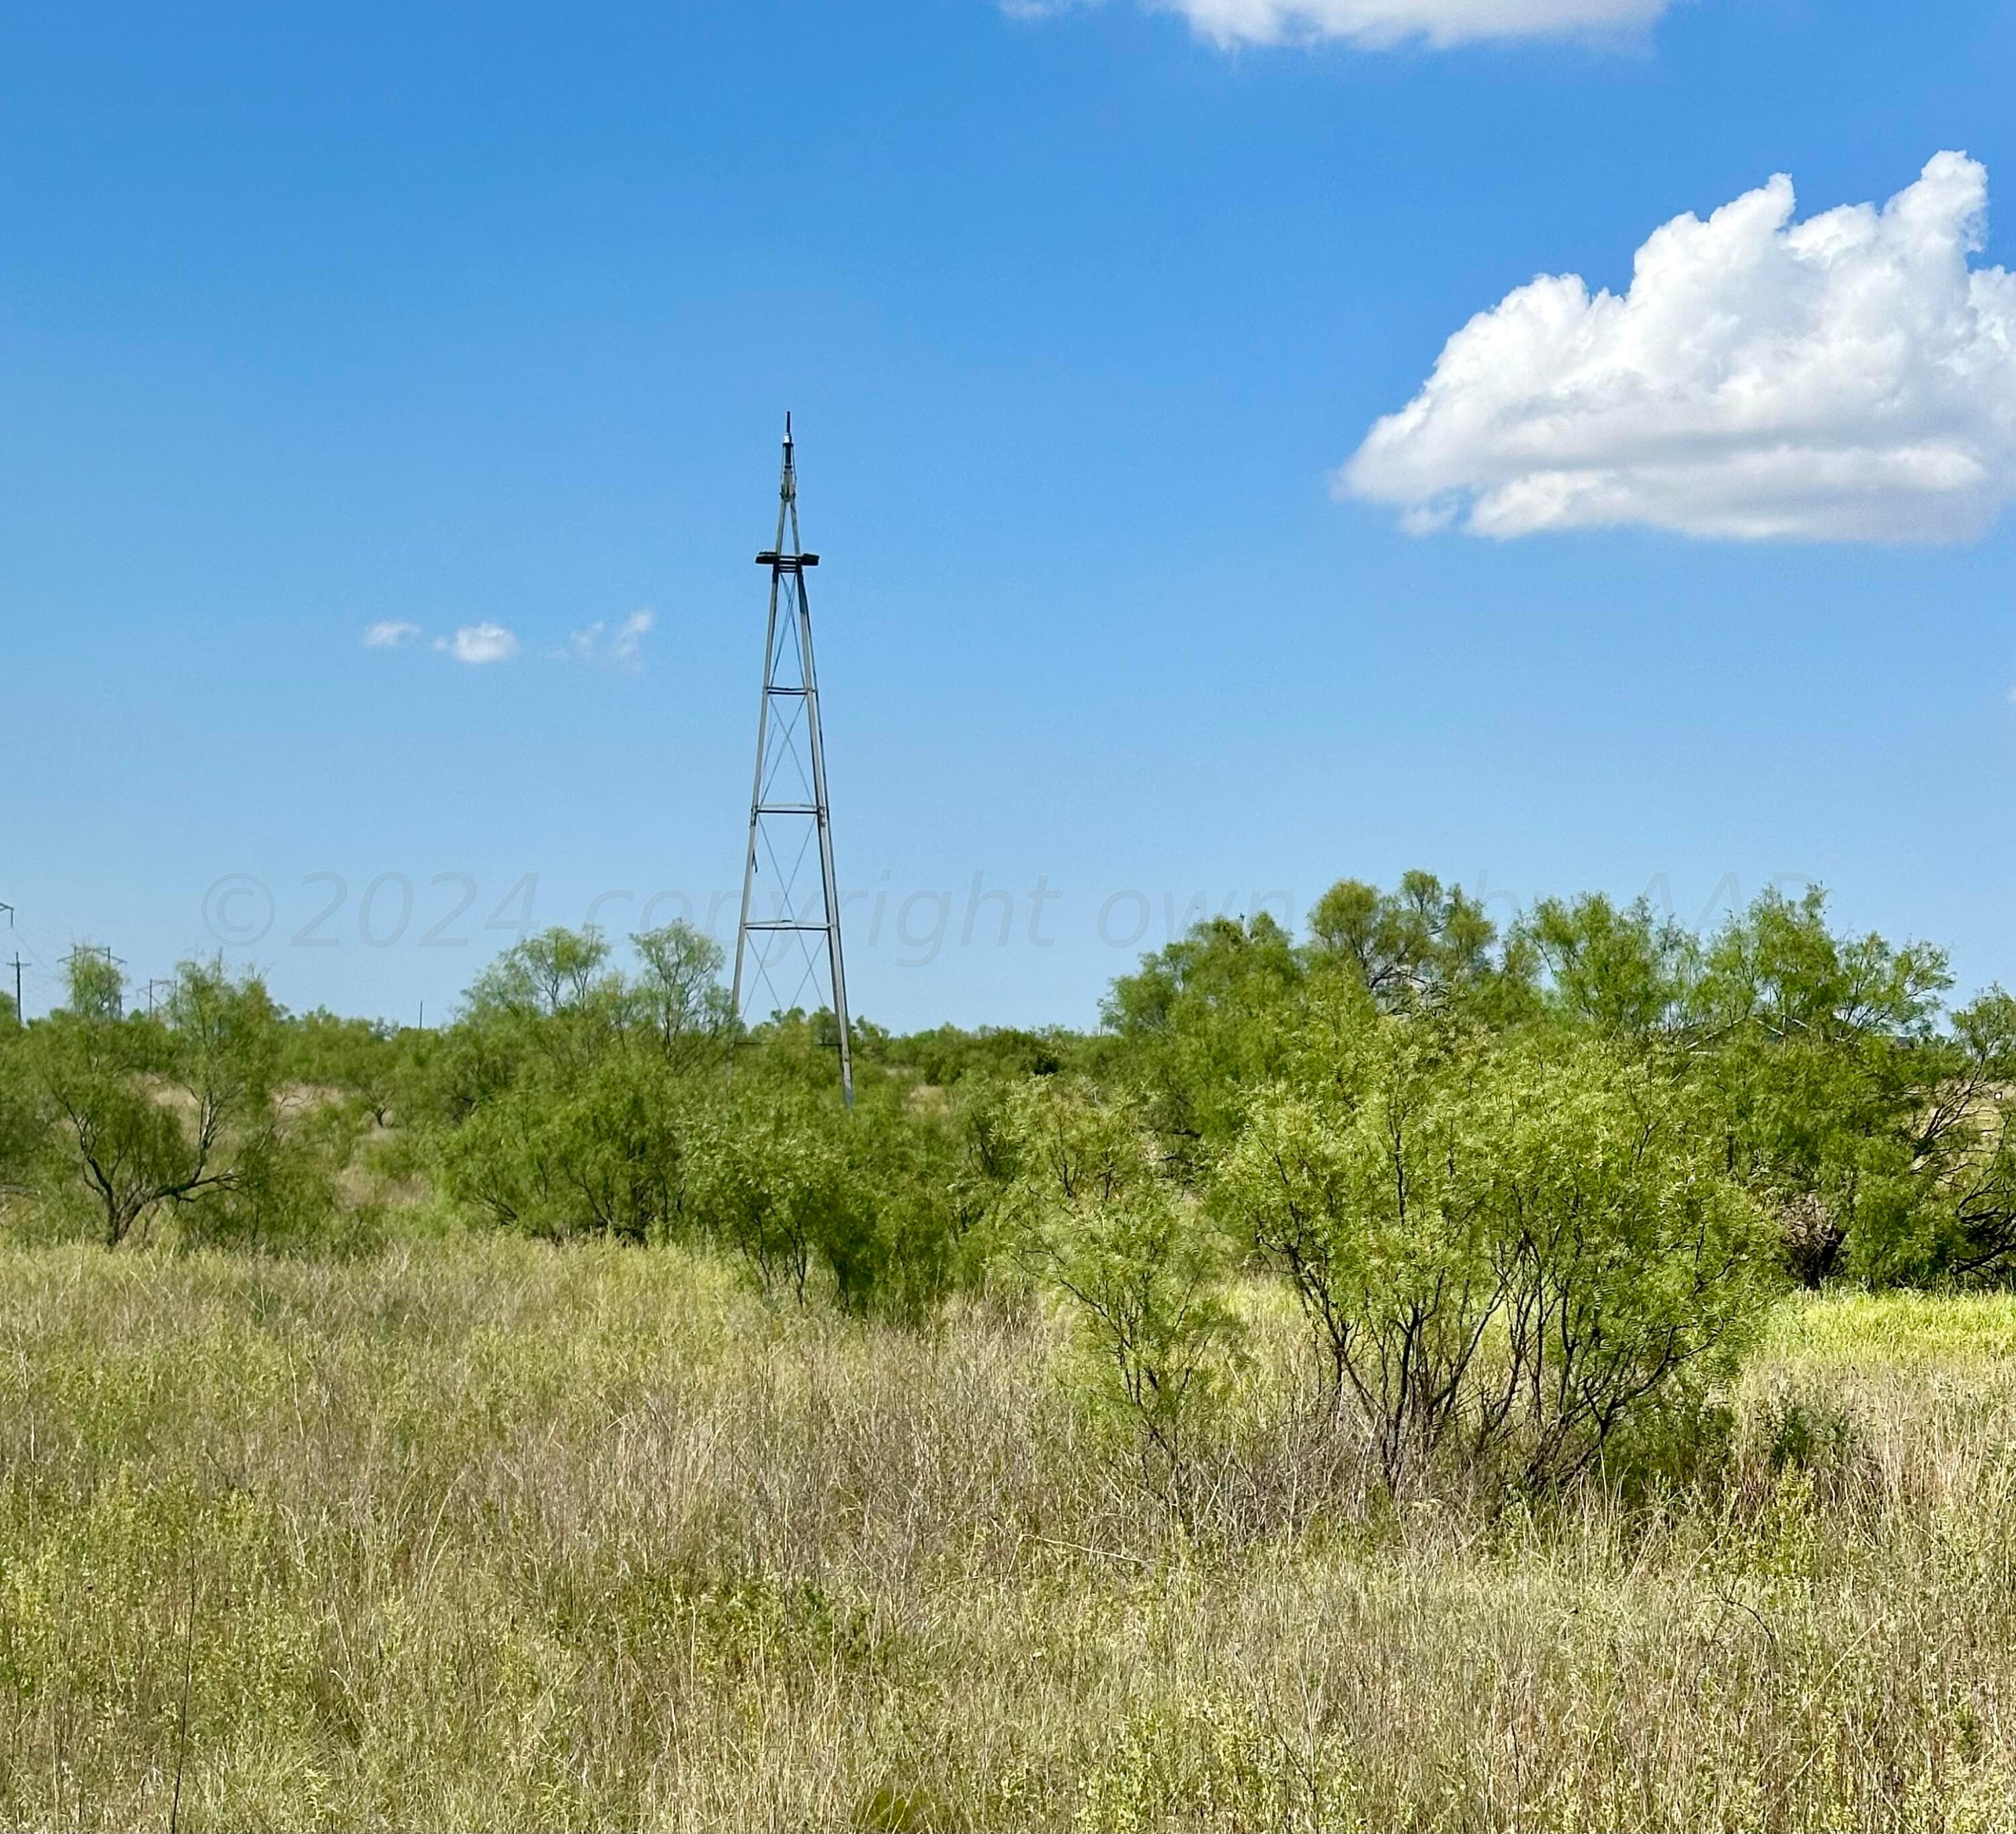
1532	1192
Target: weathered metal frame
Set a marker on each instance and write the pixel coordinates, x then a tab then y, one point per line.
789	559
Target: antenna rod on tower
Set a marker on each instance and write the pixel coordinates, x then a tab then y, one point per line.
785	792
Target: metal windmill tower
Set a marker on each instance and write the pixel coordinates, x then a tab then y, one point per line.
787	810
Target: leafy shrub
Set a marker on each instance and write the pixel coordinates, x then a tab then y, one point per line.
594	1148
1506	1256
870	1202
147	1113
1097	1220
770	1181
284	1197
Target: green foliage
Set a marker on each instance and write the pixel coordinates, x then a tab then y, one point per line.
949	1055
926	1185
677	994
771	1181
1426	944
553	997
1823	1059
1629	1263
572	1146
1405	1204
1095	1219
1354	1195
1813	1070
282	1195
1622	973
875	1204
1201	1027
571	1097
567	1092
1936	1196
1819	1071
1505	1254
146	1110
1207	1024
22	1132
179	1112
363	1059
1869	1125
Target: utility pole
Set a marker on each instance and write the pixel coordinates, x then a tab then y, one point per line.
789	803
20	1017
151	986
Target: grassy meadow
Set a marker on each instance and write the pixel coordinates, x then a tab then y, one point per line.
478	1532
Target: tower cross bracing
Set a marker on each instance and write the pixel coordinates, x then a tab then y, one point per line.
790	831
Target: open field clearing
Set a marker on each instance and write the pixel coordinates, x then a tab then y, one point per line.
481	1533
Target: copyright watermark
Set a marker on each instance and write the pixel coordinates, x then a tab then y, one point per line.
917	924
238	911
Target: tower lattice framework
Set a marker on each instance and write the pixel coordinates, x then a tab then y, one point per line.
790	819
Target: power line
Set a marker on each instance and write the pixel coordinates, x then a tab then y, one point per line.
36	953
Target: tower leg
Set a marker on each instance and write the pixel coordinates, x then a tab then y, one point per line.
788	562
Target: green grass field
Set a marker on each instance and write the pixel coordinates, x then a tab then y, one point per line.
481	1533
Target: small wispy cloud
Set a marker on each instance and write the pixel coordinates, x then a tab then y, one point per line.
618	645
1377	25
622	647
480	643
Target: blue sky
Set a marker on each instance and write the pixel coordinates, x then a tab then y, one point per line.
460	316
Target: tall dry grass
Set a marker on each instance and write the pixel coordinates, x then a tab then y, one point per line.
480	1534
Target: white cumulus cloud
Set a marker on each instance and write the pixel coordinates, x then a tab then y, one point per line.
391	634
1376	24
1850	377
621	648
480	643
